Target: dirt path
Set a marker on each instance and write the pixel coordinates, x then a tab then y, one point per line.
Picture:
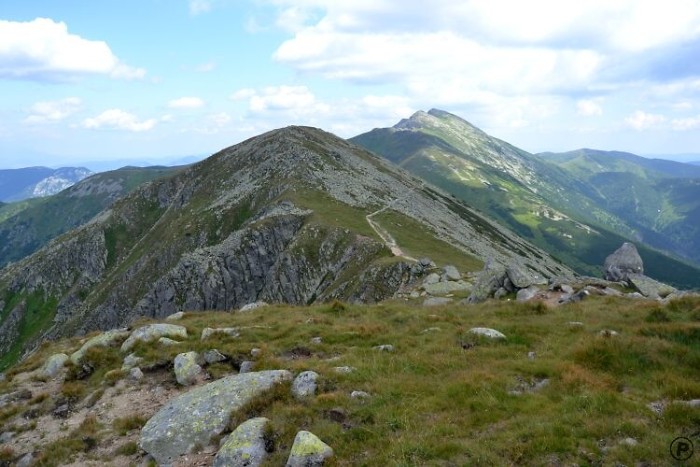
386	236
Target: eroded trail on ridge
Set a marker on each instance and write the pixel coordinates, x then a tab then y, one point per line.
386	237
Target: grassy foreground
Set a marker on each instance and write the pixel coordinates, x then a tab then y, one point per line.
445	397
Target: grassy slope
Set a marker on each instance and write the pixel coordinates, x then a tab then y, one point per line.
435	403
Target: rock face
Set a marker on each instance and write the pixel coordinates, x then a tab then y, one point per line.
195	417
247	446
623	262
308	451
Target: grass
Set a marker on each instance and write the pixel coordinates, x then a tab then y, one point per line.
435	401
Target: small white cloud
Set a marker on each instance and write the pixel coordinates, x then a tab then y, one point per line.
43	49
685	124
117	119
186	103
53	111
644	121
589	108
243	94
282	98
199	6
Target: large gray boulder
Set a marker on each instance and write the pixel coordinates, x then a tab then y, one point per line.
153	332
106	339
623	262
54	365
187	368
489	280
649	287
246	446
451	273
196	417
521	277
308	451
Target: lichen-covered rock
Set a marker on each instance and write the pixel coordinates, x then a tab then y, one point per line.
432	278
187	368
214	356
308	451
488	332
153	332
490	279
194	418
131	361
247	446
246	367
167	341
451	273
623	262
305	385
54	365
252	306
106	339
526	294
175	316
208	332
521	277
649	287
135	374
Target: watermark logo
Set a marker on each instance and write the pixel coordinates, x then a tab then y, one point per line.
682	448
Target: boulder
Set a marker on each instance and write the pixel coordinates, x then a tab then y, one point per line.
487	332
360	395
308	451
649	287
187	369
153	332
167	341
489	280
451	273
131	361
231	332
529	293
175	316
623	262
196	417
444	288
214	356
521	277
305	385
252	306
135	374
247	446
436	301
106	339
432	278
54	365
246	366
384	348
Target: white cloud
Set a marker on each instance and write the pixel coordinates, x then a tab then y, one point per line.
589	108
199	6
117	119
186	103
644	121
53	111
277	98
44	49
242	94
685	124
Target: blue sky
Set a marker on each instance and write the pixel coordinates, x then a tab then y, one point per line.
153	80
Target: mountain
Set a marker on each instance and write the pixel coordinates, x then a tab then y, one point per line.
33	182
295	216
694	163
543	202
26	226
659	199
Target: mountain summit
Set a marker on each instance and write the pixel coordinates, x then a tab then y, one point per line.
296	215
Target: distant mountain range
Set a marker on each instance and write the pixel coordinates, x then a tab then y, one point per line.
577	205
34	182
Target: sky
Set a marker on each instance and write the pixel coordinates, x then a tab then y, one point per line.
156	80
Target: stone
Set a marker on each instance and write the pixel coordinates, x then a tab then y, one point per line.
649	287
54	365
305	385
247	445
487	332
437	301
527	294
344	369
575	324
427	263
252	306
255	352
528	387
231	332
106	339
131	361
531	355
414	294
214	356
6	436
359	395
384	348
521	277
444	288
567	289
432	278
451	273
153	332
167	341
26	460
488	281
500	293
629	442
308	451
197	416
175	316
623	262
608	333
316	340
246	367
187	369
135	374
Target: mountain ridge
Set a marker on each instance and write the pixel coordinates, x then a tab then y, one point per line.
33	182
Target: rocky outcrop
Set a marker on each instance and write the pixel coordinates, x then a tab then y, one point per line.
623	262
197	416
